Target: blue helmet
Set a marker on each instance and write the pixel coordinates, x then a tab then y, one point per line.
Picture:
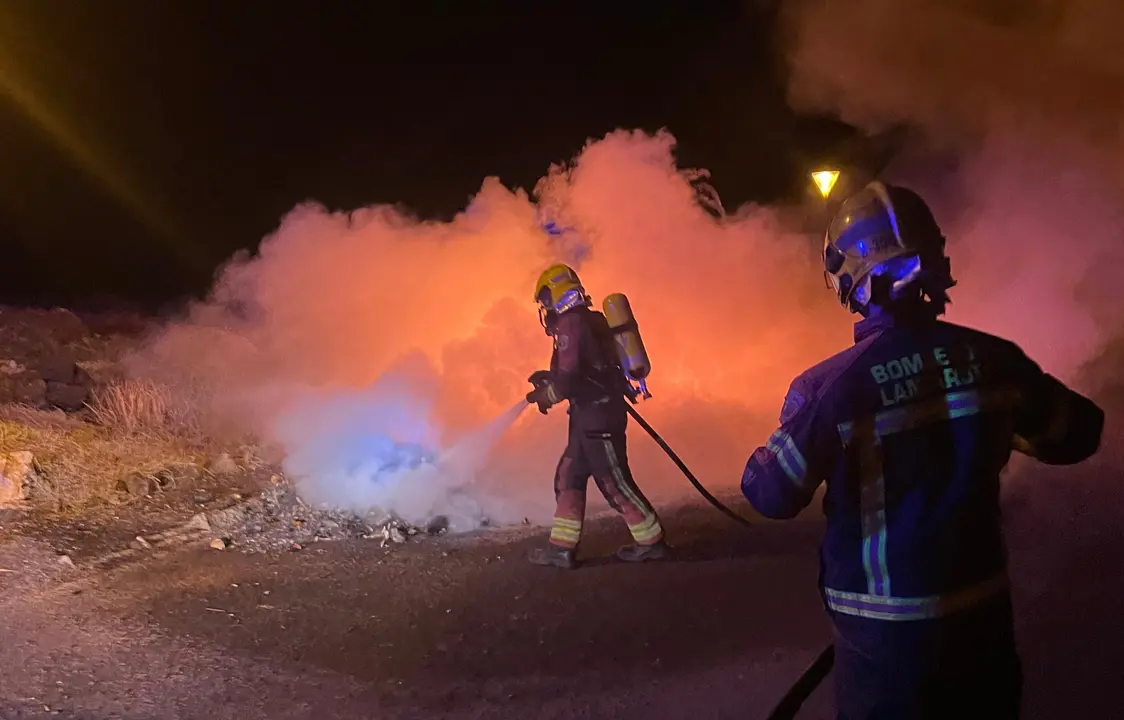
884	244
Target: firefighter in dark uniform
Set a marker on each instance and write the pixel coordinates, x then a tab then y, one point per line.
909	429
585	370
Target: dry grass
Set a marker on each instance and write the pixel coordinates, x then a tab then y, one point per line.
143	406
78	462
134	428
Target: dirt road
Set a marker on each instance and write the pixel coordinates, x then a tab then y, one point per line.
454	628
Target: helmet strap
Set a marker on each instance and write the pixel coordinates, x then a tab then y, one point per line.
548	318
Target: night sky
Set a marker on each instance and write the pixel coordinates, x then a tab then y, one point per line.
141	143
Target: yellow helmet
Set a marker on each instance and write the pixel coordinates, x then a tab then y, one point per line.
559	289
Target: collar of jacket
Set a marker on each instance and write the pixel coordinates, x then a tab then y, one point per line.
884	321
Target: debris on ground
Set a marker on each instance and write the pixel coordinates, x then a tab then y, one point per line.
277	519
396	531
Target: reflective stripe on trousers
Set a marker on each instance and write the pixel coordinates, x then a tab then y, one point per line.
647	530
566	532
881	607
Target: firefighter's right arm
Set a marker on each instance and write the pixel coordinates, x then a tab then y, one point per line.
782	476
1054	424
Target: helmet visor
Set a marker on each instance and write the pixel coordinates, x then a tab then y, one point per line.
867	225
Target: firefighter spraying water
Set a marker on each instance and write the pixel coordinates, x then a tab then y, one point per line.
596	357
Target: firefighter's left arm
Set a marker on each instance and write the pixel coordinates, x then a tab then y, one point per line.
782	476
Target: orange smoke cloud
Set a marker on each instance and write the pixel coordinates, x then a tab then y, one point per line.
334	302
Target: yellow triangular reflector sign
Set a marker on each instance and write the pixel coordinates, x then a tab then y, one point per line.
825	180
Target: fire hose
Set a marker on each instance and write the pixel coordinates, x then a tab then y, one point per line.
685	470
810	679
801	690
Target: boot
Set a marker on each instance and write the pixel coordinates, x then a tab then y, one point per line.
640	553
555	556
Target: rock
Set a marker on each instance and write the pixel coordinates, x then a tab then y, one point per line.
64	396
141	543
100	373
137	485
23	389
65	561
81	377
438	525
172	475
393	533
223	464
219	544
165	478
198	522
11	367
328	529
65	326
17	470
59	369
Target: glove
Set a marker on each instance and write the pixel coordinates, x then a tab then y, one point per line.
631	392
540	377
543	394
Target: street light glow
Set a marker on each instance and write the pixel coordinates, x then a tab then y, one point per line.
825	181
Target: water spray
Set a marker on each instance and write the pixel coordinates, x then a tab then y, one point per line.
472	450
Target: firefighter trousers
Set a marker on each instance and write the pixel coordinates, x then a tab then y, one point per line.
962	666
603	455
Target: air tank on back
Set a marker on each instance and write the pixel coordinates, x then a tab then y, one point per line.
626	337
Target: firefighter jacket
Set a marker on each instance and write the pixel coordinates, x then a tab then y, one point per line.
909	429
585	369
